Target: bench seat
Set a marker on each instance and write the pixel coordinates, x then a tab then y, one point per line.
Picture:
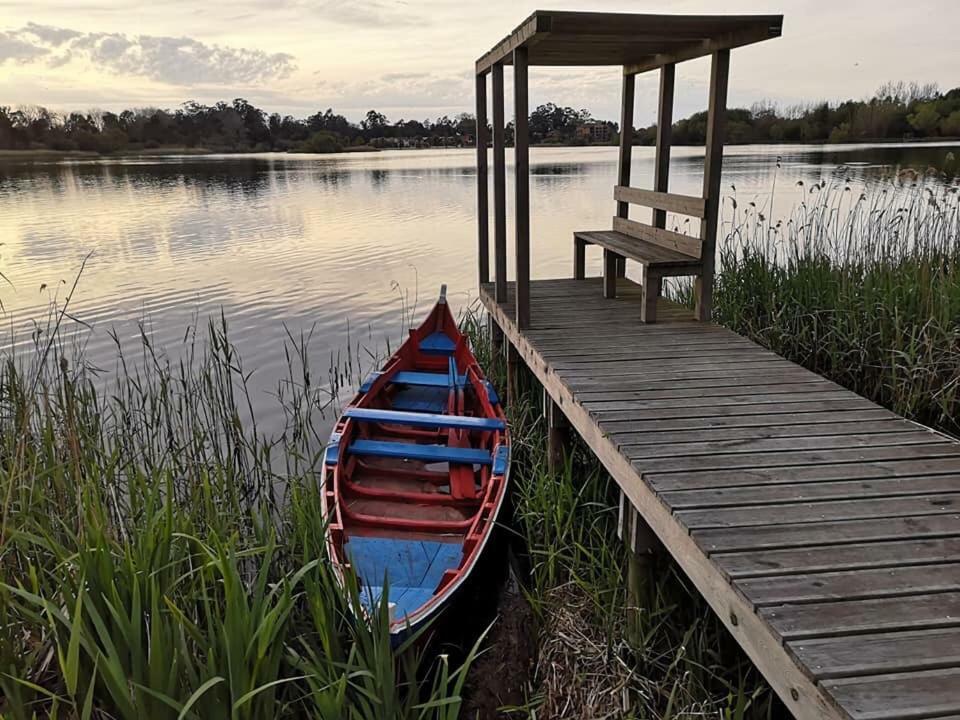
664	260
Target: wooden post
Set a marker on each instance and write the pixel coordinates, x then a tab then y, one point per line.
661	179
641	544
625	156
513	367
496	337
521	148
483	207
579	259
558	434
609	273
713	164
499	187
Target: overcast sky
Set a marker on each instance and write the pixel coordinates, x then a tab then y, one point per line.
414	59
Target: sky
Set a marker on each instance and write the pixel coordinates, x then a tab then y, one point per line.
415	59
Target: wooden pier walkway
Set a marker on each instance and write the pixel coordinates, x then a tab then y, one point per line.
822	529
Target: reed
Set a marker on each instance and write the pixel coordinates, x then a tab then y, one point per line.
162	557
861	287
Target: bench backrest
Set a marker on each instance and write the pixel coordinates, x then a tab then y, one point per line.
681	204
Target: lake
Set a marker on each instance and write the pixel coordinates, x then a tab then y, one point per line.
342	245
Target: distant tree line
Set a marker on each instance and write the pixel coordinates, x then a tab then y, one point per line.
235	127
897	111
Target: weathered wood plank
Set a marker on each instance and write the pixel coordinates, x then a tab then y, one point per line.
718	448
872	468
851	617
681	204
859	508
823	558
616	428
597	405
899	696
808	457
790	535
852	584
827	429
685	244
588	397
859	655
808	492
803	405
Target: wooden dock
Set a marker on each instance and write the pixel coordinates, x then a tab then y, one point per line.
822	529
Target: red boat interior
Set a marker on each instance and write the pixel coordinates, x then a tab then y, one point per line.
416	471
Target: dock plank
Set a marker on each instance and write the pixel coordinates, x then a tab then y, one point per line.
853	584
788	535
812	491
896	696
860	655
823	558
850	617
816	512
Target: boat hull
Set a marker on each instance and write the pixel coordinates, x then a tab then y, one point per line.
415	479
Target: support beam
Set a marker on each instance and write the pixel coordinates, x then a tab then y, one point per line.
641	545
513	369
626	139
521	148
626	153
483	205
579	259
661	179
713	163
609	274
558	435
499	187
496	337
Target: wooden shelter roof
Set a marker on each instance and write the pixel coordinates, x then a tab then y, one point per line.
638	42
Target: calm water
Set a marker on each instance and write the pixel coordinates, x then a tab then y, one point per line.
337	244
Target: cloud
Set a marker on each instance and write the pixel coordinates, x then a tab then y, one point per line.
172	60
413	91
372	14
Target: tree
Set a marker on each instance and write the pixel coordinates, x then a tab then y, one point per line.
925	119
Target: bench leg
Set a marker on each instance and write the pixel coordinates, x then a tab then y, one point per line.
651	293
704	294
609	274
621	267
579	259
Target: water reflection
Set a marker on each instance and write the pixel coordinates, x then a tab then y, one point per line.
324	242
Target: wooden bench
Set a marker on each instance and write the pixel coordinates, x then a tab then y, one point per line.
663	253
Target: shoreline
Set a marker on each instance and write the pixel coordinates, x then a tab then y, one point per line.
50	154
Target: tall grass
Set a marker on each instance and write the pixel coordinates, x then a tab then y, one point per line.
860	286
160	557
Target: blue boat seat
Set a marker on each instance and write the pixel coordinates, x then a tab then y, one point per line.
426	379
414	419
426	453
413	569
437	344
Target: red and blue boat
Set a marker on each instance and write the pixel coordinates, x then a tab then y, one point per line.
415	475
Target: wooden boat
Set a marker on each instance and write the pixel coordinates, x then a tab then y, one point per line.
416	474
